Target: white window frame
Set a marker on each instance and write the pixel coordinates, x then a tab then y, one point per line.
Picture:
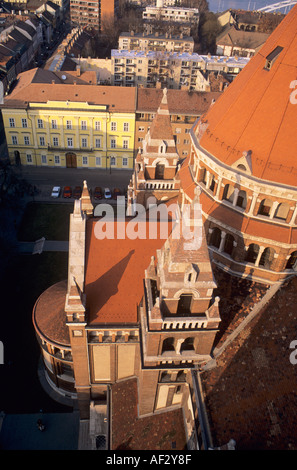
29	159
40	123
113	143
43	159
113	161
70	145
41	139
84	142
97	125
54	124
83	125
69	125
14	140
55	141
113	126
125	144
26	140
24	123
11	122
98	141
57	160
125	161
85	160
126	126
98	161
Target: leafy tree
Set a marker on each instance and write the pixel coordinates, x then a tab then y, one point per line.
208	31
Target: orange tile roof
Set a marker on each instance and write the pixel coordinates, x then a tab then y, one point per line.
114	275
255	112
40	90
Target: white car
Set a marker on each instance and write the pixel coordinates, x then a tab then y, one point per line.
56	191
107	193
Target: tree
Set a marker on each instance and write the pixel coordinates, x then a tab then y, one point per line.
208	31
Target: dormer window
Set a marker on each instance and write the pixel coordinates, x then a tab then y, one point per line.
271	58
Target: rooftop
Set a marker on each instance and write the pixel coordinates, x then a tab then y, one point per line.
179	101
115	272
250	395
256	111
40	86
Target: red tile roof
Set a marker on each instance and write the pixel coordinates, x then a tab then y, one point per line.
49	314
255	112
114	275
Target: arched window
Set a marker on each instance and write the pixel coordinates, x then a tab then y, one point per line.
241	167
267	258
215	239
188	345
265	207
292	260
241	199
229	244
168	345
252	253
282	211
228	194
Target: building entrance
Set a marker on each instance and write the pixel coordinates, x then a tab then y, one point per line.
71	160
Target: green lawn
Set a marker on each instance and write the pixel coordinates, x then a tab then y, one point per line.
45	220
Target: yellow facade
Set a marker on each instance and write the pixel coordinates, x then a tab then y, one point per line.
70	134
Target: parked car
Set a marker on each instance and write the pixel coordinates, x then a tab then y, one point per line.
67	193
116	193
56	191
77	192
98	193
107	193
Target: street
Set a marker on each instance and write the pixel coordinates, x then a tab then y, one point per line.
45	178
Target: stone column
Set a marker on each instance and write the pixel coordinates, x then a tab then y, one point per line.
292	221
262	248
253	204
223	236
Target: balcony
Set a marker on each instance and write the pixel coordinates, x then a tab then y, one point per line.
64	148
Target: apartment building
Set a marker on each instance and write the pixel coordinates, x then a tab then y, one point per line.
171	14
170	70
58	119
131	41
92	12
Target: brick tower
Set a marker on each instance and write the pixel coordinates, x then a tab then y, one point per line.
157	161
180	317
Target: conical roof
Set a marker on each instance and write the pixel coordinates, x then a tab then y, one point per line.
255	118
161	130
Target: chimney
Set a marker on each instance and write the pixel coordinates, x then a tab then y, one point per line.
78	70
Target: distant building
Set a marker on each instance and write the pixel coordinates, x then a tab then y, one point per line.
63	119
92	13
170	70
251	21
234	42
156	42
185	18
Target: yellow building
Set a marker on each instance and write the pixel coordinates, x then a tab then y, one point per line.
65	119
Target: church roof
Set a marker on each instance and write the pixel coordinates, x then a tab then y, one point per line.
258	111
115	272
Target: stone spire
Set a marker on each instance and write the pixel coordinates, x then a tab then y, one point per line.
86	203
